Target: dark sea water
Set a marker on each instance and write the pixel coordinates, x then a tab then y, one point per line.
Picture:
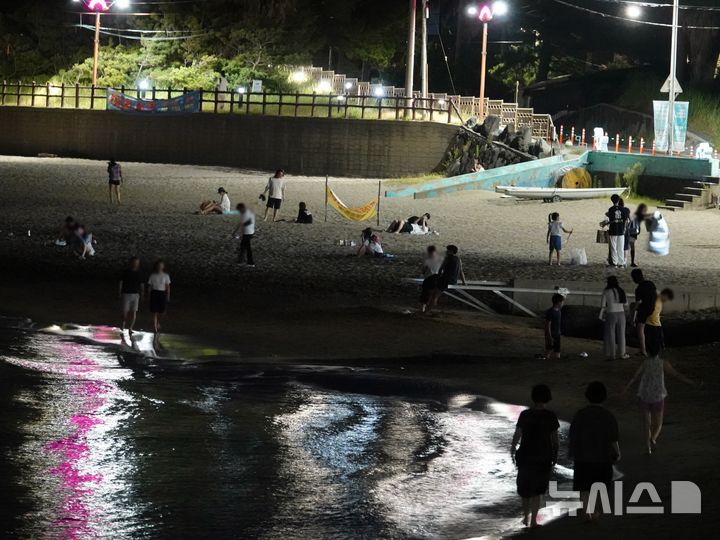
103	439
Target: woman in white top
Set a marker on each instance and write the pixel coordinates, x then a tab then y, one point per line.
613	305
212	207
159	292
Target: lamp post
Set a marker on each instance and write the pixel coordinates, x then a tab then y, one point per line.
98	7
485	14
410	67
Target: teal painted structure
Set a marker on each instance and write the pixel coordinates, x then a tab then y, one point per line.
665	166
537	173
541	172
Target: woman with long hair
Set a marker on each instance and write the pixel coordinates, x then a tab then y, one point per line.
634	231
613	306
159	288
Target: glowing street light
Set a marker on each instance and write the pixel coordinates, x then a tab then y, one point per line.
633	11
485	14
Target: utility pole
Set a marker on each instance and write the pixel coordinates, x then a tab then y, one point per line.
424	50
673	74
410	69
96	48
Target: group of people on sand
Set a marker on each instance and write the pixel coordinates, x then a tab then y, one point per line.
77	237
623	230
415	225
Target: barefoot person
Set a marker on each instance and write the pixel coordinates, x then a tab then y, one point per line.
430	268
450	272
634	229
247	225
158	285
115	180
130	292
645	297
593	445
651	390
537	433
553	327
275	190
213	207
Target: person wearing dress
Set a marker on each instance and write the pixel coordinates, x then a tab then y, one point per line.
537	433
613	305
158	286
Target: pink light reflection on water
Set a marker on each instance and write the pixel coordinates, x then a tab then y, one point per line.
75	517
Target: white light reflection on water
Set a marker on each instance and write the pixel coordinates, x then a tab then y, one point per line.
76	464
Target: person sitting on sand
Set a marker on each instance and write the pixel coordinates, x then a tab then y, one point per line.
304	215
67	232
371	244
212	207
413	225
84	242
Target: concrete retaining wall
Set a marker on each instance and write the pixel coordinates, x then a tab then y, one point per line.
315	146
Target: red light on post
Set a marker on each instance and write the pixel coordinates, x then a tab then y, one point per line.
486	13
98	5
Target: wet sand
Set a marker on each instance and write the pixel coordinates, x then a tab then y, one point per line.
312	300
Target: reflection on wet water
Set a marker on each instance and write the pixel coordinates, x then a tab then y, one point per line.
105	445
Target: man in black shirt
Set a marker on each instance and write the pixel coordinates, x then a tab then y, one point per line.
645	297
616	218
593	444
130	292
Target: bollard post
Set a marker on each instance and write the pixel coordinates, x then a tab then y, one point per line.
560	139
572	136
642	145
630	141
653	149
617	142
692	150
582	138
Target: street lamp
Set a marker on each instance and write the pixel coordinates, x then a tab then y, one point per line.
633	11
485	13
98	7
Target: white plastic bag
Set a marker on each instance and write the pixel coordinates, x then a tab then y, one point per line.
578	256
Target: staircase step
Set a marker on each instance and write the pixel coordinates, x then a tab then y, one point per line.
706	185
688	197
669	208
675	202
699	190
711	179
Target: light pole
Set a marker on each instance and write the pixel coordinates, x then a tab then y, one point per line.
673	74
485	14
98	7
423	51
410	68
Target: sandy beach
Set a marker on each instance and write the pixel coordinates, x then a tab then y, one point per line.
313	300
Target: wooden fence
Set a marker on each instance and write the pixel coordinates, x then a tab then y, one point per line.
364	101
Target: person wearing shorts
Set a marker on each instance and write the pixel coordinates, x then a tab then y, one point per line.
115	179
159	287
275	190
130	291
554	236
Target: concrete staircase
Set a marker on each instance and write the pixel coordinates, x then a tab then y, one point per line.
699	195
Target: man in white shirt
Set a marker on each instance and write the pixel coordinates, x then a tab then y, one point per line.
247	224
275	190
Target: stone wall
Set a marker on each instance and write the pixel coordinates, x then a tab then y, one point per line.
314	146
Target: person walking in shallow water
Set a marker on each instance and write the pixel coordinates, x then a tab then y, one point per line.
115	180
130	290
537	433
159	291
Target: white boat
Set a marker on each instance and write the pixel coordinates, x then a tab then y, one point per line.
558	194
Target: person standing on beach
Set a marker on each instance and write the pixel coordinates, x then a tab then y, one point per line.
130	293
115	179
634	231
537	433
554	235
158	285
593	445
451	270
645	297
616	217
613	305
652	391
275	190
553	324
247	224
430	268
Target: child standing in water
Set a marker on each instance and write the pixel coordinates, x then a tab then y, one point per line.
554	236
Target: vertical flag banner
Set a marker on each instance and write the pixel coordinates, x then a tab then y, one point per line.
661	110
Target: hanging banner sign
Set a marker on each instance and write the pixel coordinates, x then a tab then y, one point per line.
661	110
187	103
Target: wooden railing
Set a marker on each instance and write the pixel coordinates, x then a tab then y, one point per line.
363	101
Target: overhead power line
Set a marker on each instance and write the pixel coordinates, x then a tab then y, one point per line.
628	19
143	37
659	5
